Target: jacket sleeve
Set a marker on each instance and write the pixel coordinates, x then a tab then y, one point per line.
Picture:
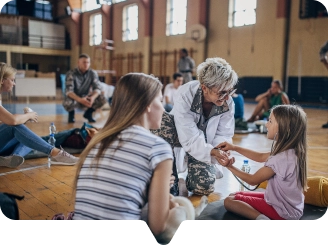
191	138
323	50
226	127
69	82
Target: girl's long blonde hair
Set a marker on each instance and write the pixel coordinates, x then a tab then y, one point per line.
5	72
292	134
132	94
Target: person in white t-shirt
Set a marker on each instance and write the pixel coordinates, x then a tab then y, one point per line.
170	91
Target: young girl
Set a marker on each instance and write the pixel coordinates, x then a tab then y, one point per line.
285	169
16	139
125	165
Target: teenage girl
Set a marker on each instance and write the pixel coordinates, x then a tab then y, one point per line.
285	169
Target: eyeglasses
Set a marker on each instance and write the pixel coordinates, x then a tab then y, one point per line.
223	94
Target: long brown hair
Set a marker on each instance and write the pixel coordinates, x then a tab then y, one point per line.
292	134
132	94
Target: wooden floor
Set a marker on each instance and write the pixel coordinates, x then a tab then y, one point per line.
48	191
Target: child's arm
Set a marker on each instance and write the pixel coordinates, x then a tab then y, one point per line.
258	177
253	155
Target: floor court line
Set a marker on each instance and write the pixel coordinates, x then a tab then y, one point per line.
22	170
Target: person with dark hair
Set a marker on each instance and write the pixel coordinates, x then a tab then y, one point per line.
170	91
324	60
186	65
274	96
83	90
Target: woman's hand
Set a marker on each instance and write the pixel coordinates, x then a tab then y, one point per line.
33	116
225	146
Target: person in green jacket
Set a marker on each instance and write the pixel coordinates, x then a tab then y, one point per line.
274	96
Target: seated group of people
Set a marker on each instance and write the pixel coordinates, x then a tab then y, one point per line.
130	161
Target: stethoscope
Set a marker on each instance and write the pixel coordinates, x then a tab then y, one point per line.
274	138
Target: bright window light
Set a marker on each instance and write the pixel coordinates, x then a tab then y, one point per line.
130	23
95	29
176	16
242	12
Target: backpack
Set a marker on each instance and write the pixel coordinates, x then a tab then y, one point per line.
9	205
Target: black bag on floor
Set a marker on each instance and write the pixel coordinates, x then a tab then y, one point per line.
9	205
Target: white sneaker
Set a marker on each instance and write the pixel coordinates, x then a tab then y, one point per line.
64	158
11	161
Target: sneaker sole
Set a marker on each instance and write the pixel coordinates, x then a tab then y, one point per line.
12	162
62	163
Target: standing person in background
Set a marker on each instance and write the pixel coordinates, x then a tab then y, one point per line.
170	91
324	60
186	65
83	90
274	96
17	140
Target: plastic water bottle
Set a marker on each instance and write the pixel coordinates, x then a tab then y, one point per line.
245	168
52	128
52	142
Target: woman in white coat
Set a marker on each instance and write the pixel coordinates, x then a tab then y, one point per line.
202	118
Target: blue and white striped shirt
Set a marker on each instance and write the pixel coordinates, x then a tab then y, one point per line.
117	188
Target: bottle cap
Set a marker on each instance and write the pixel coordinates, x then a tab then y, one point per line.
51	135
246	161
51	123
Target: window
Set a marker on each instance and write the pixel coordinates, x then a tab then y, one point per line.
43	10
176	16
95	29
88	5
130	23
10	8
242	12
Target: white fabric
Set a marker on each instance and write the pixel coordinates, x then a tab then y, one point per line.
107	89
220	128
170	92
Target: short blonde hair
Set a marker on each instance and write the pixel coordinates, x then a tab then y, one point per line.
216	73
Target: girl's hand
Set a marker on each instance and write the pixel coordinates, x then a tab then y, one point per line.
226	162
225	146
173	204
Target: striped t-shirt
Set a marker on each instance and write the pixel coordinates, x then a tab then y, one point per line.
117	188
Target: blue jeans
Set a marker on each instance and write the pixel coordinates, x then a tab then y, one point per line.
168	107
19	140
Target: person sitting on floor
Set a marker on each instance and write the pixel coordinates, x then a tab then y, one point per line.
274	96
285	169
125	165
16	139
240	123
170	91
